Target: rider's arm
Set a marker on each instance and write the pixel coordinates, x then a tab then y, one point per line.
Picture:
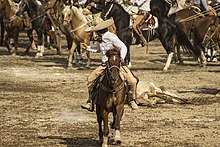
94	48
119	45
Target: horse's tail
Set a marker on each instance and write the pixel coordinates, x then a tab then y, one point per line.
185	43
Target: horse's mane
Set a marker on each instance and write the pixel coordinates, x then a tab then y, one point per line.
78	13
34	4
118	5
111	52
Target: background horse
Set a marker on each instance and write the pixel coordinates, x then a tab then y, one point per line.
13	25
206	35
111	97
122	24
78	23
36	13
183	20
165	32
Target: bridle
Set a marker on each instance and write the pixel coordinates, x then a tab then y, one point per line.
113	82
109	10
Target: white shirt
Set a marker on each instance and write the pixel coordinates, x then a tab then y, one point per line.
109	41
143	4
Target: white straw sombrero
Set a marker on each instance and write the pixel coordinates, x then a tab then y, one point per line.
100	26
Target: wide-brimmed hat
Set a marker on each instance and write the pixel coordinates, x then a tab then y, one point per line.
100	26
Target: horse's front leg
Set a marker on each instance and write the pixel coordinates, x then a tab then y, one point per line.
119	114
7	42
88	56
40	47
106	129
16	35
32	43
202	60
58	42
99	120
169	59
70	54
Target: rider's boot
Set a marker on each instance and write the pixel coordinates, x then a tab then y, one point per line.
89	105
141	36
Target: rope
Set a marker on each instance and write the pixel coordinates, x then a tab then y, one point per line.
197	15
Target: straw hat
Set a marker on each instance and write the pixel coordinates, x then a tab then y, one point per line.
100	26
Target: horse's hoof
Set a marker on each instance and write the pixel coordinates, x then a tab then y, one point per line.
13	54
39	55
74	61
129	65
117	140
87	66
165	69
25	53
59	53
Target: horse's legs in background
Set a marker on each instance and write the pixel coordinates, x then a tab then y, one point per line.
88	55
99	120
77	57
178	54
202	59
70	56
167	38
16	35
128	57
40	47
7	41
32	43
58	41
46	43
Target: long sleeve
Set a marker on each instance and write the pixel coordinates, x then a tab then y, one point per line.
94	48
120	45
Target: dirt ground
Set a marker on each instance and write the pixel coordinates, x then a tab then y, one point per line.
40	102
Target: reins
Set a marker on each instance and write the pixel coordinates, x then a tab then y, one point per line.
197	15
79	27
117	87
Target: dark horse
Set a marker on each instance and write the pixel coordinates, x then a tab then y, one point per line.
111	97
166	31
184	21
36	13
122	22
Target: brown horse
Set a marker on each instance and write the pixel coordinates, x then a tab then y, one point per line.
74	18
13	25
185	20
206	35
111	97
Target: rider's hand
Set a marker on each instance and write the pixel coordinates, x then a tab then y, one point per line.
129	2
88	7
92	4
83	46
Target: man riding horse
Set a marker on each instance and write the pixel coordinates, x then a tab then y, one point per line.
108	41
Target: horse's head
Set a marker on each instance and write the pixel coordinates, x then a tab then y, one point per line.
113	65
22	7
107	10
67	15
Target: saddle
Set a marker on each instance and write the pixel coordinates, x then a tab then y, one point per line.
150	23
98	83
